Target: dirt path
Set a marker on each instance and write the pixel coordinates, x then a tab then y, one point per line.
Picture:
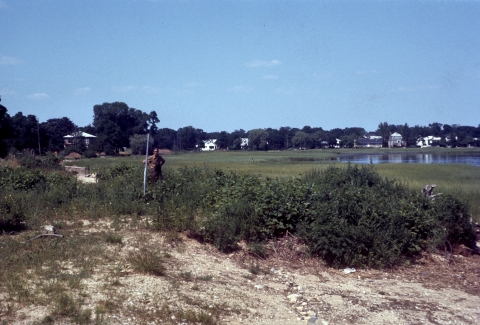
238	289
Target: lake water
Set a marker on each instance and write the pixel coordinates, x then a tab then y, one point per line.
413	158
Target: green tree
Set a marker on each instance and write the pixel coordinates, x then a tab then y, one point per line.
138	144
115	123
436	129
276	141
405	131
300	139
6	131
165	138
222	140
317	137
24	132
384	131
235	139
188	138
258	139
54	130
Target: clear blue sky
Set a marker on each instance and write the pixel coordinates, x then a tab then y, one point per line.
226	65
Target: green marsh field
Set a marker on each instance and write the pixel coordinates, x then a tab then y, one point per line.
460	180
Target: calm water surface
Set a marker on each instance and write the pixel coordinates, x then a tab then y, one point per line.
413	158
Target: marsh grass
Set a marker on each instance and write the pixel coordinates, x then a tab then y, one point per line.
462	181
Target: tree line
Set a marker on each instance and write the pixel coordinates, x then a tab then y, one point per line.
117	126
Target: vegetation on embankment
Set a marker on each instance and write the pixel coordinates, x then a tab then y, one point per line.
347	215
461	181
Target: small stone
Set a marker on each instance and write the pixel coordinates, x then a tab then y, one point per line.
312	320
293	297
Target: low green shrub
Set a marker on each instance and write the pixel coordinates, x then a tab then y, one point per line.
89	154
347	216
360	219
231	223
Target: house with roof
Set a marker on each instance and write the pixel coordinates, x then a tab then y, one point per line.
427	142
244	144
395	140
209	145
369	143
74	139
372	135
369	140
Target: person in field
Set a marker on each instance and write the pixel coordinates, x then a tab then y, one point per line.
155	162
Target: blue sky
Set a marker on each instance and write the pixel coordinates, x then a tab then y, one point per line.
226	65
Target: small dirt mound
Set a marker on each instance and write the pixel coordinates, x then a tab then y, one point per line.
74	155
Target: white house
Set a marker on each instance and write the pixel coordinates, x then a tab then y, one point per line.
73	139
209	145
395	140
426	142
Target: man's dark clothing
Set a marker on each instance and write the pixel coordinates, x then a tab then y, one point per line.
155	163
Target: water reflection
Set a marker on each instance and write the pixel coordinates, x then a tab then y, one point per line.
409	158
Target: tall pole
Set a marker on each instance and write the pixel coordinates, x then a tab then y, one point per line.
146	164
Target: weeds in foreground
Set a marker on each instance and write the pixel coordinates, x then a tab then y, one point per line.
208	277
147	261
113	238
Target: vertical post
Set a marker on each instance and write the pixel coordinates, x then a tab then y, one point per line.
146	164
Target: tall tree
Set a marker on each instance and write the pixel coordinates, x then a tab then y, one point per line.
436	129
275	139
187	138
222	140
54	130
165	138
300	139
235	139
258	139
25	132
6	131
115	123
383	130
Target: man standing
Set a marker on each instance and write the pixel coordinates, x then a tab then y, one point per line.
155	163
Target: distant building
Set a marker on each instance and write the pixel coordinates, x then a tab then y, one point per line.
371	135
426	142
369	143
244	144
209	145
395	140
74	139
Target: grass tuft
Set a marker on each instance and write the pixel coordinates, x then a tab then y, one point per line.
147	261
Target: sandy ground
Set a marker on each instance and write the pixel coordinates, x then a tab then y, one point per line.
287	288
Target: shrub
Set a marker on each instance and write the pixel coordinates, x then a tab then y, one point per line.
233	222
360	219
89	154
347	216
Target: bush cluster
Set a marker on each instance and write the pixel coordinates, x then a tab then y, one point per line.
348	216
